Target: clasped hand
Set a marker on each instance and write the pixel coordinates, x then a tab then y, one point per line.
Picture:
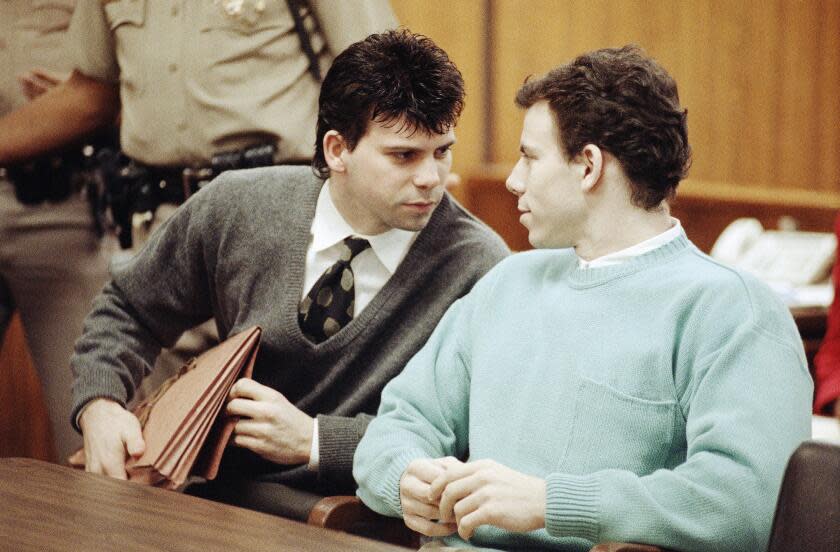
270	425
111	434
441	496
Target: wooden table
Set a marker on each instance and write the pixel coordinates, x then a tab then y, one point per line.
49	507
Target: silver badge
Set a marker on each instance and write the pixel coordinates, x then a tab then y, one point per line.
244	10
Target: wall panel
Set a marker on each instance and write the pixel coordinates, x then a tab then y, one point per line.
457	27
798	83
760	78
827	116
757	139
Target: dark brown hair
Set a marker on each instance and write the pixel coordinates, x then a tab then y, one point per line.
625	103
395	76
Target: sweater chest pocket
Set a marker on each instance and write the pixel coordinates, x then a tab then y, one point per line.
614	430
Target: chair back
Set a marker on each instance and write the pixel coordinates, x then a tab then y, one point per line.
808	509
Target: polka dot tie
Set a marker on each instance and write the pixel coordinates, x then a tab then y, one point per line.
328	306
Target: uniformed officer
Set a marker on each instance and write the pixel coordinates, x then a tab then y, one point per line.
202	86
195	79
52	263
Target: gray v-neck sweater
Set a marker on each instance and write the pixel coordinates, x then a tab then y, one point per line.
236	252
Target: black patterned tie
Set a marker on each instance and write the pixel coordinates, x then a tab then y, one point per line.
328	306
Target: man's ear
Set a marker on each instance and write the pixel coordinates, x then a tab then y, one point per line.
592	159
334	148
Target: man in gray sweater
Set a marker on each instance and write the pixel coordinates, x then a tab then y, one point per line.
347	277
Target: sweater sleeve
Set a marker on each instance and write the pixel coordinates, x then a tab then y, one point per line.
150	301
338	437
722	497
423	414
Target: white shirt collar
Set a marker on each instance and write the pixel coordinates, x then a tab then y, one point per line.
618	257
329	228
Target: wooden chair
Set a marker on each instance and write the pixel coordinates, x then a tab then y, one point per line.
347	513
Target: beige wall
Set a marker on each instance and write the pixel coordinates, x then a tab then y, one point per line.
457	27
760	78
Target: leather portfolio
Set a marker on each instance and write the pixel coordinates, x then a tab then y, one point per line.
184	425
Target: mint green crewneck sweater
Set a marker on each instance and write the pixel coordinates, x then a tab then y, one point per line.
660	400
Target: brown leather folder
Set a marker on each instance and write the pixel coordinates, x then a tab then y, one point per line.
184	426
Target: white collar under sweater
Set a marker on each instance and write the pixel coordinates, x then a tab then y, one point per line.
618	257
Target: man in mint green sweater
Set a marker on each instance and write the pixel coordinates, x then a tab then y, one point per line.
616	385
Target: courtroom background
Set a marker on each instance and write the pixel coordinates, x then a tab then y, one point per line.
760	80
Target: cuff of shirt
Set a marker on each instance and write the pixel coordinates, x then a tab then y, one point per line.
313	452
79	416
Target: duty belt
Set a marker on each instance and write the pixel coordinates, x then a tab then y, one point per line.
172	185
133	187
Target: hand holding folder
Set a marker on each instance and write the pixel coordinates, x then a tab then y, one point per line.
182	426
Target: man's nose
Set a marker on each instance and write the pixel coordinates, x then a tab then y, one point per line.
427	175
514	184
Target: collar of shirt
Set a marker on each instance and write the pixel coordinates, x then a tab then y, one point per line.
618	257
329	228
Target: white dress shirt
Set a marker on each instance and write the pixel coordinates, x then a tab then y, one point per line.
371	268
618	257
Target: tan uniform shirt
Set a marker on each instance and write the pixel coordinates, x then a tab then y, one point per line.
198	77
31	36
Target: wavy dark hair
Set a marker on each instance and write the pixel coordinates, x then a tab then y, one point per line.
624	102
392	77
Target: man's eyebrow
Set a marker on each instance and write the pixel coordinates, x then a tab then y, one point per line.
409	147
401	147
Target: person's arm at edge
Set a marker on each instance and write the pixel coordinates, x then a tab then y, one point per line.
827	360
57	118
827	374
